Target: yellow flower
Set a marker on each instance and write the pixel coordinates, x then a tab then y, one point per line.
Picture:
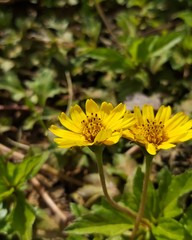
160	131
99	125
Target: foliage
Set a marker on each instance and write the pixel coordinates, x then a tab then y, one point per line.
165	208
17	215
56	53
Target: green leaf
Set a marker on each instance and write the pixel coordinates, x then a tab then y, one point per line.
76	237
5	188
23	218
164	180
16	174
5	191
43	86
109	60
101	220
187	221
155	46
78	210
11	83
133	192
168	229
180	185
186	16
20	173
4	220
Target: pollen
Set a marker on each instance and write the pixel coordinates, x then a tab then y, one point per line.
91	127
153	132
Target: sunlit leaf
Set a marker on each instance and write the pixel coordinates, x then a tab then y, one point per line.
101	220
168	229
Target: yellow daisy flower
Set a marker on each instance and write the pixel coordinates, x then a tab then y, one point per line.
160	131
99	125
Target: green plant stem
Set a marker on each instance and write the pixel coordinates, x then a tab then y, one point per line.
99	152
148	164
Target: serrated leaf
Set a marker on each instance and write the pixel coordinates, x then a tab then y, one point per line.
101	220
180	185
27	168
168	229
23	218
16	174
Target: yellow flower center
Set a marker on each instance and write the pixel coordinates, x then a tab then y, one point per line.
153	132
91	127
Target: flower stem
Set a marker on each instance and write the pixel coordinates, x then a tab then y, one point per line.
98	152
148	164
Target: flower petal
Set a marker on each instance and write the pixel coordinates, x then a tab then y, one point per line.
138	115
151	149
166	145
163	114
128	134
187	137
77	116
116	114
65	133
68	123
148	113
105	109
91	107
178	119
113	139
103	135
67	143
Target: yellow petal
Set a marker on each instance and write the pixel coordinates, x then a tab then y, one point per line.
113	139
65	133
79	112
115	115
163	114
148	113
128	134
103	135
187	137
166	145
138	115
128	120
178	119
105	109
66	143
77	116
68	123
91	107
178	137
151	149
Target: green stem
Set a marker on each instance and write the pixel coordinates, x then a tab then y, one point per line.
98	152
148	164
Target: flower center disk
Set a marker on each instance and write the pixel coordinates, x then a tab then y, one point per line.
91	127
153	132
